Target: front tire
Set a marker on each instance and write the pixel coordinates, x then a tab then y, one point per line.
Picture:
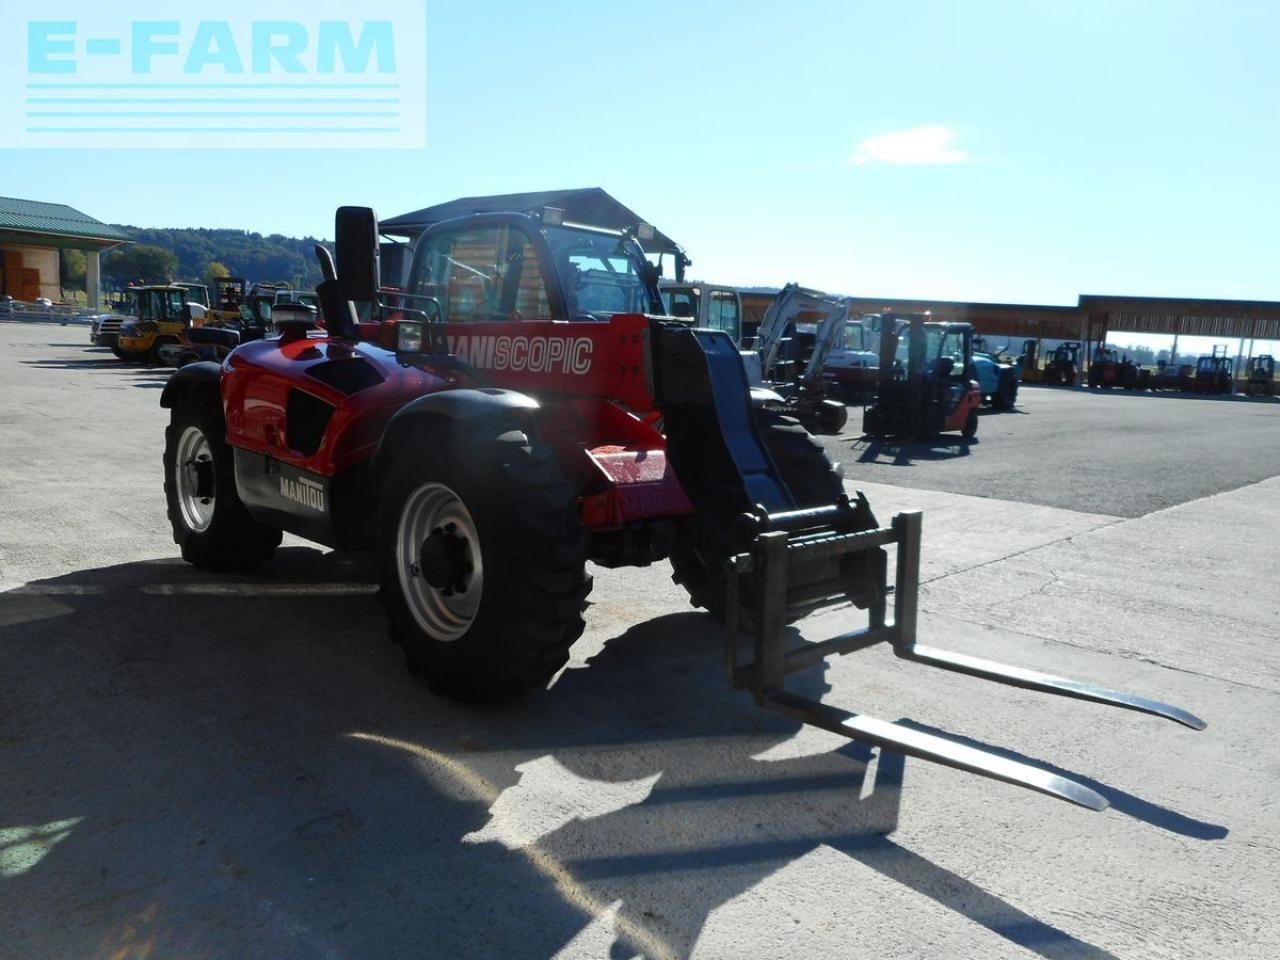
814	481
210	523
482	560
153	354
1007	393
831	417
970	428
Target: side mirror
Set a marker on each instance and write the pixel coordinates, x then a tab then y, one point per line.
358	265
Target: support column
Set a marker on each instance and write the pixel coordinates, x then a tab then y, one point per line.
93	278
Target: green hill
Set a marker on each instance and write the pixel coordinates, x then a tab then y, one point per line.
250	255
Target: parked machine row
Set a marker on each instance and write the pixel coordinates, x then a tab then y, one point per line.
178	323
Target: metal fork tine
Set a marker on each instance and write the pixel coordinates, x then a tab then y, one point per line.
1047	683
926	746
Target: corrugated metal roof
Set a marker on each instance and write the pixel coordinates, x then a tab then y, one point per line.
57	219
1196	317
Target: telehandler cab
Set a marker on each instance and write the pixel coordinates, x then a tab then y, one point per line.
522	408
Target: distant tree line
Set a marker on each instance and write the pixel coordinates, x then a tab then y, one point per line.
197	254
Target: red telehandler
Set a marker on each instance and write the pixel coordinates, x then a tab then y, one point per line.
520	409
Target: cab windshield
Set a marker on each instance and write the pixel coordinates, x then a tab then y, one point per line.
599	273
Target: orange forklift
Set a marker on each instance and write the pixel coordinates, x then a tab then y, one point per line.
927	382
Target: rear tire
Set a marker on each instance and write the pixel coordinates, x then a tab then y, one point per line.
210	523
493	513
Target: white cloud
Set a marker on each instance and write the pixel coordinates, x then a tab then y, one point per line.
919	145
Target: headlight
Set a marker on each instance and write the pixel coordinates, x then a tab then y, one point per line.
409	336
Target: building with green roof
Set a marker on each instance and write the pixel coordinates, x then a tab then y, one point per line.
32	236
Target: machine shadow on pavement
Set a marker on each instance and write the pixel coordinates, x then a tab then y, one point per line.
241	767
143	375
902	453
150	378
102	361
985	412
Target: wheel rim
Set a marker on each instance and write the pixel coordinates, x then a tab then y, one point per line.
439	562
196	481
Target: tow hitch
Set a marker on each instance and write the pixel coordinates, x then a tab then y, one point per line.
794	565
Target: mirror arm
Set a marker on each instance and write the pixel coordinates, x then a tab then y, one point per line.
327	269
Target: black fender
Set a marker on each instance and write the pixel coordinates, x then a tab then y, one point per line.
214	336
194	377
454	406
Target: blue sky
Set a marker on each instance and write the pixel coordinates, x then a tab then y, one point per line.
1022	151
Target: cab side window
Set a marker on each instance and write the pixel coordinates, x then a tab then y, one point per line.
724	313
483	274
680	303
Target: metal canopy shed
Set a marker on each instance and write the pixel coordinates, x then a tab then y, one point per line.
1017	321
1226	319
